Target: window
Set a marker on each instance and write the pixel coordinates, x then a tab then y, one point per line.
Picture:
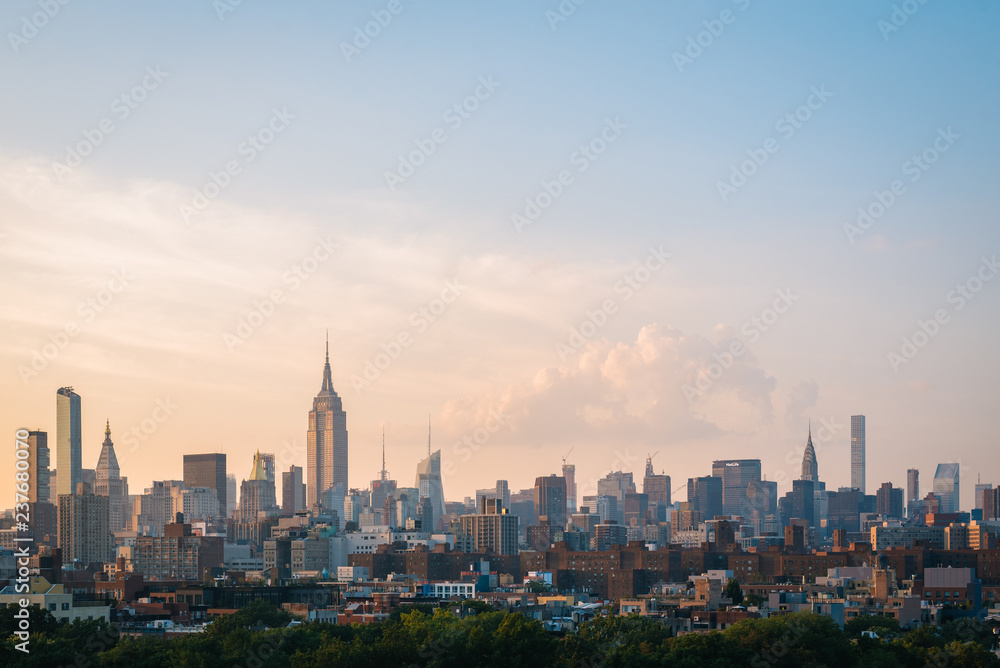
65	606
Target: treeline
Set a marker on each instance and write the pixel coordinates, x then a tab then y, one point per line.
424	636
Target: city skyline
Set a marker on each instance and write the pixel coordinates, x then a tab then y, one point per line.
195	321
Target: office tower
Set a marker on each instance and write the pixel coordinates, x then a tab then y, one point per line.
762	500
503	493
636	509
569	473
616	484
428	481
84	533
69	444
111	484
257	493
156	507
810	467
232	502
844	509
736	476
912	485
209	470
196	503
889	501
978	494
686	517
293	490
800	503
946	480
38	467
383	486
657	487
858	452
493	529
705	494
550	500
991	504
326	441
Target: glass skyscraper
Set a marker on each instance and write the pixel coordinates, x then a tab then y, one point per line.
858	452
69	444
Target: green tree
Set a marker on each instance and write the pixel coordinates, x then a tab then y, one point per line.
733	591
887	628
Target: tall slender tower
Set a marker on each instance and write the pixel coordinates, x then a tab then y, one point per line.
810	468
326	441
69	445
858	452
110	483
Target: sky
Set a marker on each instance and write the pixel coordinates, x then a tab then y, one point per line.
594	228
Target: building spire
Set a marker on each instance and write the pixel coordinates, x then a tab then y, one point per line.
327	373
384	475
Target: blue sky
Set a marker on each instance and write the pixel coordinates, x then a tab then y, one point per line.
657	184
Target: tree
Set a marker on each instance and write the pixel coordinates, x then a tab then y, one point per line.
886	627
733	591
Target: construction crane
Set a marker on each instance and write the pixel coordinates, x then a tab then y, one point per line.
567	455
649	462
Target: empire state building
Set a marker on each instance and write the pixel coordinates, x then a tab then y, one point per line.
327	440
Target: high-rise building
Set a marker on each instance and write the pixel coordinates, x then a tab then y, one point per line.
493	529
569	473
978	494
858	452
429	482
38	467
810	467
657	487
257	493
762	500
503	493
111	484
326	447
946	480
209	470
69	443
293	490
844	510
991	504
550	500
736	475
705	494
232	501
84	533
912	485
155	507
800	503
889	501
382	487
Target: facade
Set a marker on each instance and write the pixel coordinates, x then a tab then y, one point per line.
493	530
569	474
705	494
428	481
69	443
293	490
197	503
810	467
657	488
84	531
858	452
889	501
109	482
946	481
736	475
38	467
886	537
550	500
912	485
156	507
256	494
54	598
209	470
326	440
177	554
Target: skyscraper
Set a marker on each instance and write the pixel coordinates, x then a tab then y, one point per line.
810	467
257	493
293	491
946	480
550	500
268	459
69	444
84	533
569	473
705	494
209	470
889	501
736	475
429	483
858	452
912	485
38	467
383	486
326	448
657	488
109	482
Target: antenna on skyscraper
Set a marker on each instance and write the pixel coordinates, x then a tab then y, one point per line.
384	474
